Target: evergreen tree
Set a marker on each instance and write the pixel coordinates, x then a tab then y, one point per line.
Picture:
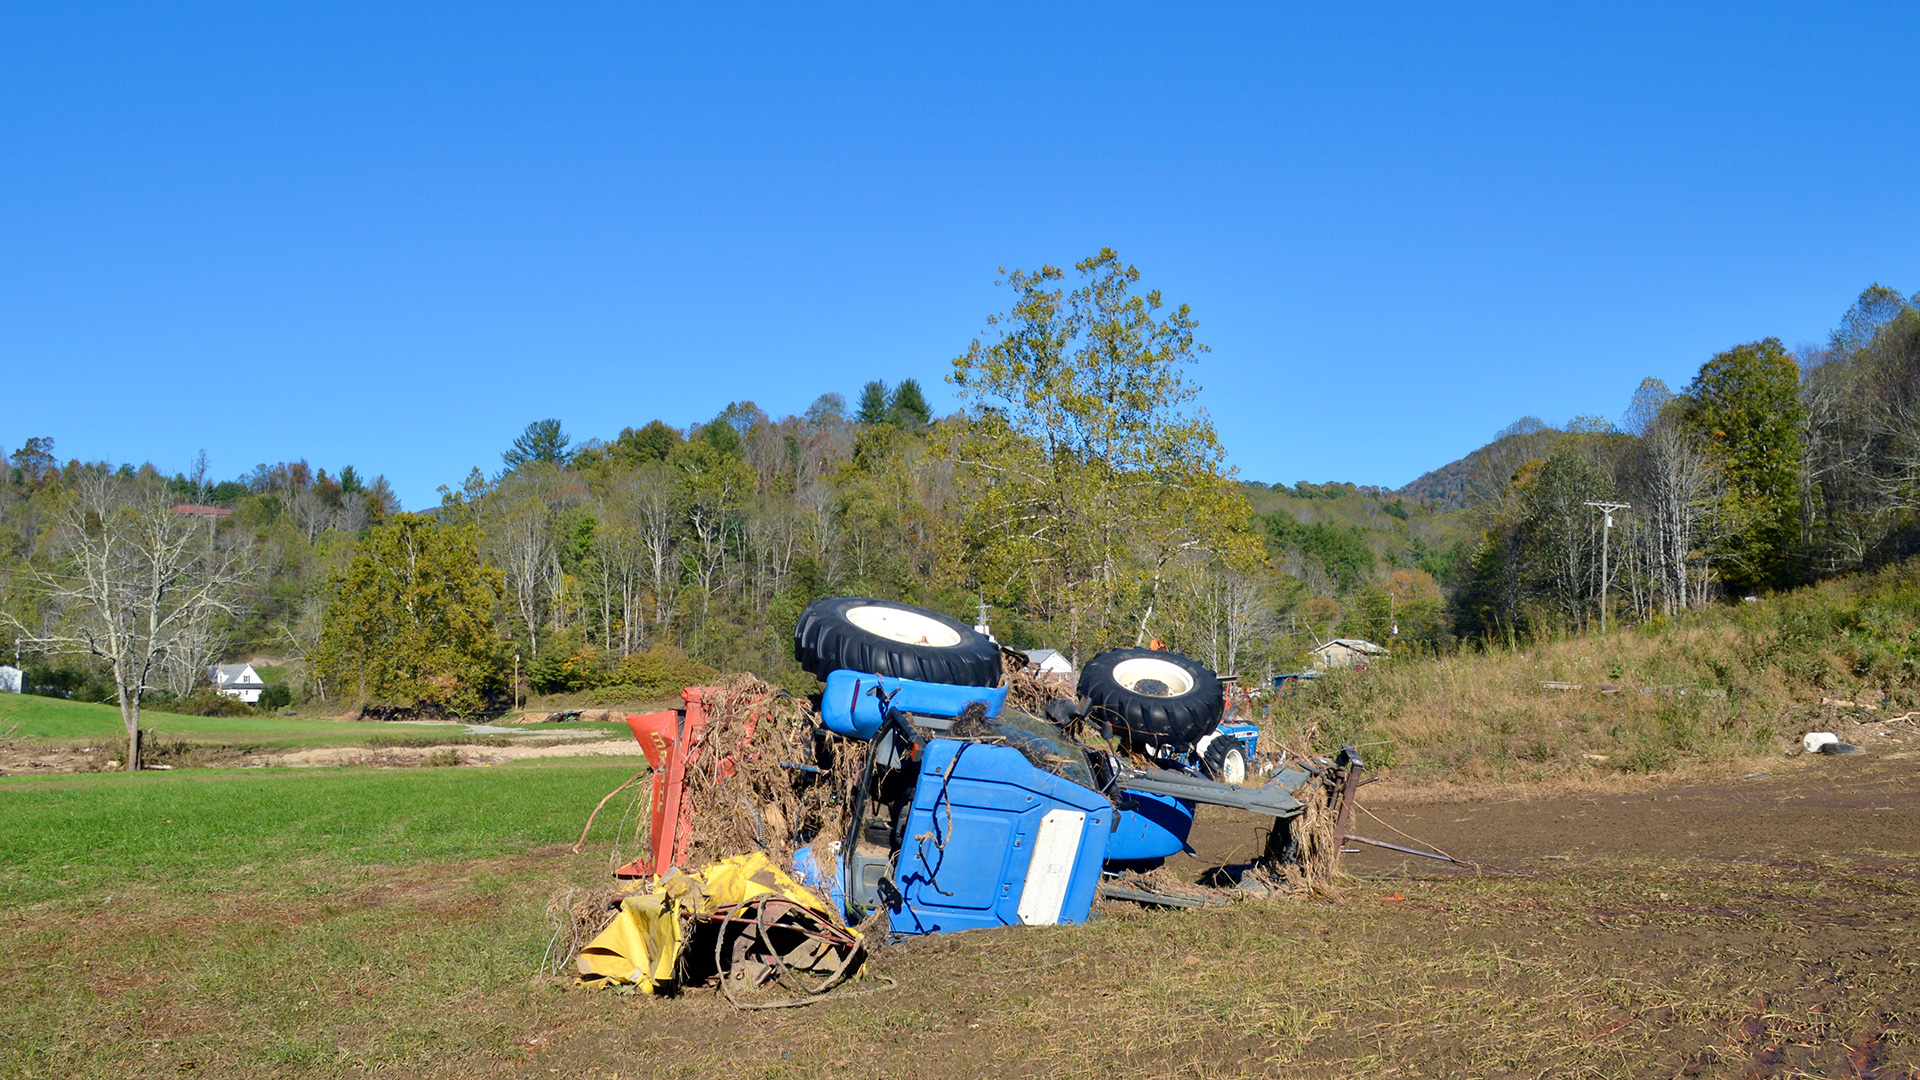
907	408
542	441
874	403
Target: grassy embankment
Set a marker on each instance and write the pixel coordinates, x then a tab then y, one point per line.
1708	686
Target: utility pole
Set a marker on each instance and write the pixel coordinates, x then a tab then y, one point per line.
516	678
1607	509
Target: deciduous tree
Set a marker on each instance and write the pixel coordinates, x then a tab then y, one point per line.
135	585
1086	476
409	621
1745	407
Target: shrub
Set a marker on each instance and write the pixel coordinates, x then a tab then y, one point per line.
207	702
661	670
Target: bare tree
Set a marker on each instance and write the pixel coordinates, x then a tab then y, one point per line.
135	585
1681	488
202	490
657	515
523	544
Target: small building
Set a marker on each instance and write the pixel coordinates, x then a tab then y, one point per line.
1345	652
1049	662
211	513
1050	666
237	681
12	680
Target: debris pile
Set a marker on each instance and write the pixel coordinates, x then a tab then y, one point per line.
743	921
763	779
936	784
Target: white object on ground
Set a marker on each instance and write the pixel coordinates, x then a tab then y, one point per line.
1816	739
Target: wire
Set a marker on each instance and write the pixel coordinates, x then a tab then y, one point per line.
1415	839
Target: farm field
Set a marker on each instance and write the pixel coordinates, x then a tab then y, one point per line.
53	722
296	923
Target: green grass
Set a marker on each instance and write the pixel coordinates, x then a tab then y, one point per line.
280	922
75	723
205	830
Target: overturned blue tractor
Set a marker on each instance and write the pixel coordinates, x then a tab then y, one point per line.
970	812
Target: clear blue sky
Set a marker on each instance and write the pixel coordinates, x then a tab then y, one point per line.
391	236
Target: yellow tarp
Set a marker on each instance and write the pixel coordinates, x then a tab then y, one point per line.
642	945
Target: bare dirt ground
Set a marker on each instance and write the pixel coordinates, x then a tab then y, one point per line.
403	756
1739	926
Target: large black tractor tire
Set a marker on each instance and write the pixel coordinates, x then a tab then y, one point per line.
880	637
1151	696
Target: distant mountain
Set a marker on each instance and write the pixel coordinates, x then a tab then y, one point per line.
1482	475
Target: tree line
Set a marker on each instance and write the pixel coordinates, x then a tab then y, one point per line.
1079	497
1771	469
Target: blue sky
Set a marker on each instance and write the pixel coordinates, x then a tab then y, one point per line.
392	235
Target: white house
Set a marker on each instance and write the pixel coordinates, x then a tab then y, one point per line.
12	681
1049	662
237	681
1346	652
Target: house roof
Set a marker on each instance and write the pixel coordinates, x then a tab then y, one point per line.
1360	645
229	674
196	510
1042	657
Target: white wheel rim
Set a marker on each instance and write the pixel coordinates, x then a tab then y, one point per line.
905	627
1130	673
1234	769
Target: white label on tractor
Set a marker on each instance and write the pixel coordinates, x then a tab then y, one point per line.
1054	851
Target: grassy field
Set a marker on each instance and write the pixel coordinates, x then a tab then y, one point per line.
54	721
1766	921
293	920
325	922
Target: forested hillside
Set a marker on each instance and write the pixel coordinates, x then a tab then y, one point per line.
1078	494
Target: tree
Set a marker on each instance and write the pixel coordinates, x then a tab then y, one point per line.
1417	611
1342	552
1649	398
828	408
521	514
907	408
1745	407
34	460
1558	537
1678	490
1876	307
650	443
874	403
542	441
409	621
136	586
1087	482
